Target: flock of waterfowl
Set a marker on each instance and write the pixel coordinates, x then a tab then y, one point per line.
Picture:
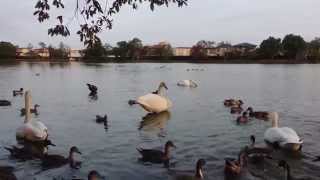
34	137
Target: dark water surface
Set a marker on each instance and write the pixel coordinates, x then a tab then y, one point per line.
198	123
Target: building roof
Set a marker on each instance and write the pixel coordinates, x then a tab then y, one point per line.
245	45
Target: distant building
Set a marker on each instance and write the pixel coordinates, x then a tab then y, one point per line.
244	47
212	52
182	51
75	54
42	52
160	49
23	52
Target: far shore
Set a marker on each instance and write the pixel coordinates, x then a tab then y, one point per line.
174	60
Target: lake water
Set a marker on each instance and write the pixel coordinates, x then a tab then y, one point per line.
198	123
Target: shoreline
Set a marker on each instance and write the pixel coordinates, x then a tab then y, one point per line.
192	61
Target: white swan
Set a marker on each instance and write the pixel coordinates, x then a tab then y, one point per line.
285	137
31	130
155	102
187	83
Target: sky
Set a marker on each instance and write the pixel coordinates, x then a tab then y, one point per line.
235	21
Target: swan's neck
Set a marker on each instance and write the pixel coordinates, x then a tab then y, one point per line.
27	107
275	120
161	90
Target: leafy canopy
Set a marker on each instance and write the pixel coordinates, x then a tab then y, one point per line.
93	15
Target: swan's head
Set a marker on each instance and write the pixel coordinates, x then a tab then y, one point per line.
94	175
163	85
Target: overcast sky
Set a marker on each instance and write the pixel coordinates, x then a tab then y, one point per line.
218	20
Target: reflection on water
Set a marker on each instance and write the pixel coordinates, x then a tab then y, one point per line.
198	123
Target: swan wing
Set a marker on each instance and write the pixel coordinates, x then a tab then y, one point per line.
282	135
154	103
33	131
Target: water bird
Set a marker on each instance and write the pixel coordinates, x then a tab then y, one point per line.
102	119
154	102
31	130
236	109
243	118
263	115
157	156
284	137
94	175
198	174
257	154
232	102
17	92
50	161
5	103
93	89
283	164
34	110
187	83
6	173
317	159
233	166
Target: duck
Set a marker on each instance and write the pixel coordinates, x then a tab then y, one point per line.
232	102
283	164
157	156
236	109
154	102
93	89
94	175
34	110
187	83
102	119
233	166
257	154
316	159
31	130
263	115
5	103
197	175
30	150
6	173
243	118
284	137
50	161
17	92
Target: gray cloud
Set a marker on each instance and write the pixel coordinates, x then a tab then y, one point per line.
219	20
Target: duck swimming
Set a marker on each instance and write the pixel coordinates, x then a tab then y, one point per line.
101	119
187	83
50	161
257	154
236	109
93	175
5	103
154	102
198	174
17	92
243	118
34	110
284	137
157	156
92	88
233	167
263	115
232	102
6	173
31	130
283	164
